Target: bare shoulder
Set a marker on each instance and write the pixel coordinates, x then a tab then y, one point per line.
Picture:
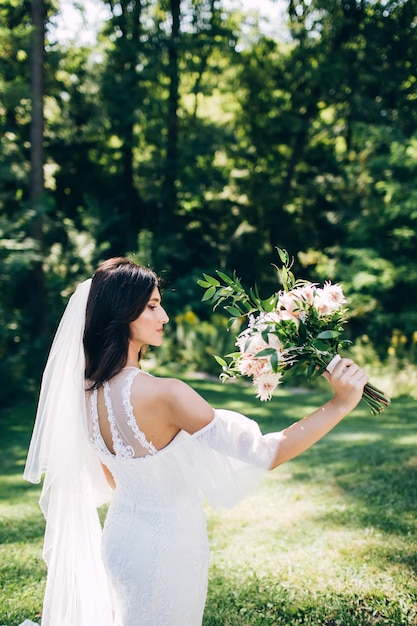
165	389
174	398
175	389
169	391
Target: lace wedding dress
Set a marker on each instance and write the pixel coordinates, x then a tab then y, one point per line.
155	546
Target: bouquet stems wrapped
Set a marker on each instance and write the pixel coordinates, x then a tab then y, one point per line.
297	329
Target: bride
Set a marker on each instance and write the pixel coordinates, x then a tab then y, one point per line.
106	430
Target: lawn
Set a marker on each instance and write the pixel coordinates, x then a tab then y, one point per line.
330	538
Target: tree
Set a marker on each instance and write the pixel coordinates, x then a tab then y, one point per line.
171	167
123	93
35	283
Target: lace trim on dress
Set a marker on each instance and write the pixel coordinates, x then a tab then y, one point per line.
138	434
120	448
96	438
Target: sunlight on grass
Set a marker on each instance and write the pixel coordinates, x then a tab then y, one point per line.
286	539
285	536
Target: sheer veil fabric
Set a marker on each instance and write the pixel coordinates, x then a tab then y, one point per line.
77	591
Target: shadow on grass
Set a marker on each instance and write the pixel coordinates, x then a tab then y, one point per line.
20	519
24	529
375	466
264	602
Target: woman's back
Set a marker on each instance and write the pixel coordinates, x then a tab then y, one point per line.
129	414
155	527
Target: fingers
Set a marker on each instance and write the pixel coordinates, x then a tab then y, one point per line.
342	365
345	371
347	381
348	372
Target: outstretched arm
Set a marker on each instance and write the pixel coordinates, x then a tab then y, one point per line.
347	381
186	409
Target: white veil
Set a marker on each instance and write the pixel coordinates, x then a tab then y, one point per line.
77	592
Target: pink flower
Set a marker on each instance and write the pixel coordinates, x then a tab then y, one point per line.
251	366
290	301
249	344
286	315
329	299
266	384
334	292
307	293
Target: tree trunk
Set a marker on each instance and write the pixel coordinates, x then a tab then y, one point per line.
36	283
170	192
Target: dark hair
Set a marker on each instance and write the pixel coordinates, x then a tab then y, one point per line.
119	292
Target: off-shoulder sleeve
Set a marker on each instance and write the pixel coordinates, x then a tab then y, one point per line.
231	456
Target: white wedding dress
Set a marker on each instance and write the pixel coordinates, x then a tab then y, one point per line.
154	544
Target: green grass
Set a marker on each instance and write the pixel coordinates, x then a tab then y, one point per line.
329	540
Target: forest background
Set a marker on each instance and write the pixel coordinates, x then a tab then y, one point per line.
188	137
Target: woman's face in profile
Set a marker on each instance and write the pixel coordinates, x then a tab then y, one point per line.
148	328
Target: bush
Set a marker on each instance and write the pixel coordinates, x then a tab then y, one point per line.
192	343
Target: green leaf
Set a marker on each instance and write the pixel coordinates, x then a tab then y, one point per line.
320	345
274	362
311	369
249	308
302	331
232	310
254	296
247	344
226	278
269	304
266	352
284	278
328	334
283	255
203	283
209	294
220	361
211	280
233	355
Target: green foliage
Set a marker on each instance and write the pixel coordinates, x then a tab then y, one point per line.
325	177
191	343
243	303
217	144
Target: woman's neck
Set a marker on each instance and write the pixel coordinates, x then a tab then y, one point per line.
132	356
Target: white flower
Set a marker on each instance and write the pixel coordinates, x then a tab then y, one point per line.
298	300
253	366
250	343
307	293
334	292
286	315
266	384
329	299
264	321
290	301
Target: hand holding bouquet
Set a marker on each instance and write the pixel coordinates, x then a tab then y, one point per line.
297	329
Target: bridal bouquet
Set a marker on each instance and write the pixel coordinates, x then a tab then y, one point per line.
297	329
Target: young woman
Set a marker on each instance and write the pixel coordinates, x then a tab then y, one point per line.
106	429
